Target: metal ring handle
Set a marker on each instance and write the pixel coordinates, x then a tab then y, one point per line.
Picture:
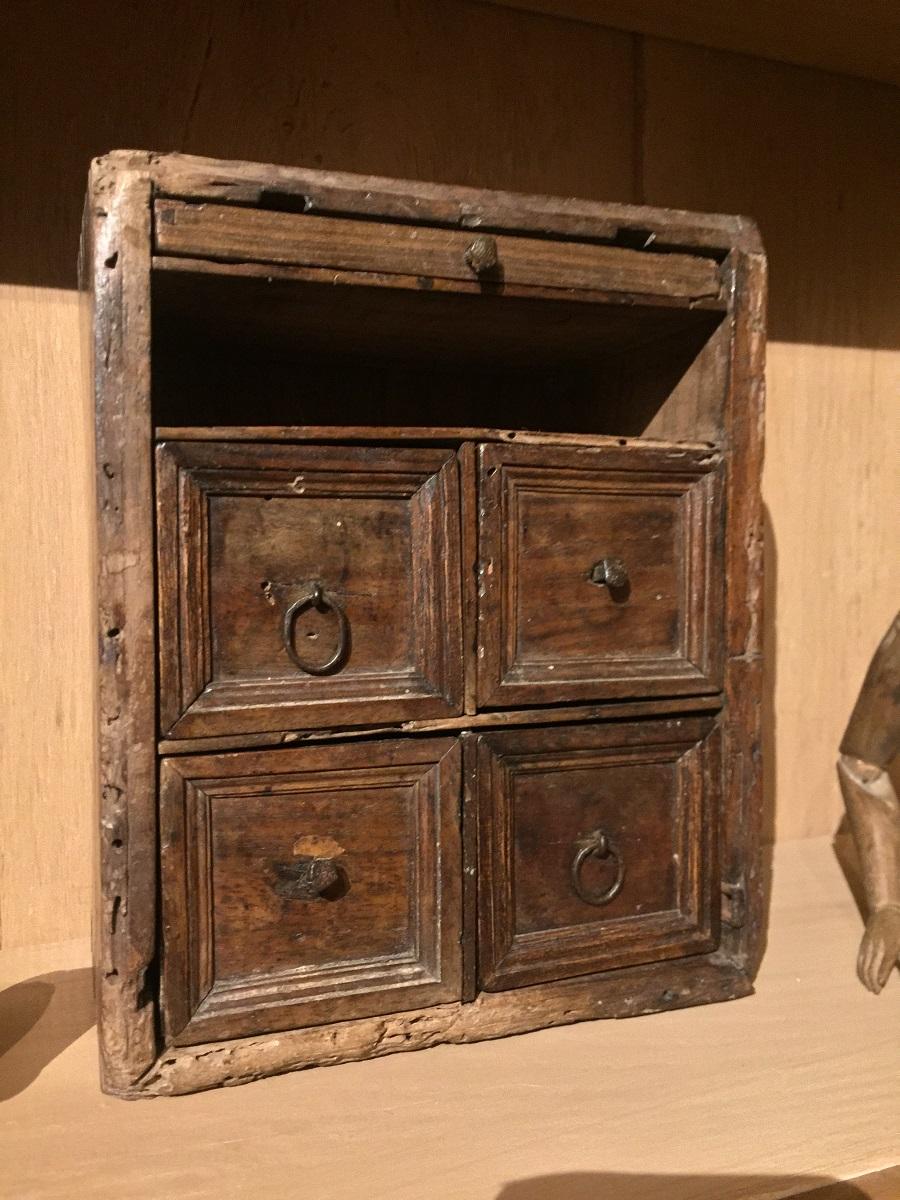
316	595
596	845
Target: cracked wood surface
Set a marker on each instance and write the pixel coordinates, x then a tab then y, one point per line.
630	993
116	260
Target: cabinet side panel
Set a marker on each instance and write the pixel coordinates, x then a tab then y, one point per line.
742	848
117	259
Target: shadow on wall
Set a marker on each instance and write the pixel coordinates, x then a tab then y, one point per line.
39	1018
591	1185
769	728
476	94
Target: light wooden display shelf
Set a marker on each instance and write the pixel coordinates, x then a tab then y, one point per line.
777	1095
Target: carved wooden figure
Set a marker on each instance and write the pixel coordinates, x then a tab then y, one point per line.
869	747
429	587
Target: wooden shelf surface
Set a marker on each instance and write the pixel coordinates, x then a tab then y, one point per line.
777	1095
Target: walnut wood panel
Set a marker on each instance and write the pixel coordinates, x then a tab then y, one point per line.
247	531
547	631
231	234
252	942
596	848
501	718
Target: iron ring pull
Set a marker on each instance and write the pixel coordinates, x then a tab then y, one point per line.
596	845
317	596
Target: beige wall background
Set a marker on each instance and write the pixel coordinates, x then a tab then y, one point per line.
497	95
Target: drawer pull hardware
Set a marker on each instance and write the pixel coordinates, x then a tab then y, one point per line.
596	845
482	255
307	878
316	597
611	573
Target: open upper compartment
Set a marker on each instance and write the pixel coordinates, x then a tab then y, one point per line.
320	321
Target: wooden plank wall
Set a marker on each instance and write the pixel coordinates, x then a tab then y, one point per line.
467	93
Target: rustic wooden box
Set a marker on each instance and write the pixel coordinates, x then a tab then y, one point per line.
416	725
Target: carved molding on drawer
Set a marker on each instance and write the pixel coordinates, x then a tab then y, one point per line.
654	790
241	953
247	531
554	524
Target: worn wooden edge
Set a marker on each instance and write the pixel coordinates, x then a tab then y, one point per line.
742	828
190	177
630	992
228	233
117	269
451	434
634	301
469	563
499	719
668	459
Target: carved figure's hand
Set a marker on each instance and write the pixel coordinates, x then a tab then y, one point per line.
879	952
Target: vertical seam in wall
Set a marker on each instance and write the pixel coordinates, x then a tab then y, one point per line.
638	117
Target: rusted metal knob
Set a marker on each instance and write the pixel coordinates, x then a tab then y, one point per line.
610	572
306	878
482	256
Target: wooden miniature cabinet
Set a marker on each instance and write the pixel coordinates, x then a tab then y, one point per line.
416	725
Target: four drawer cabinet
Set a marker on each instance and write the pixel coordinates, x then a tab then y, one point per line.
429	591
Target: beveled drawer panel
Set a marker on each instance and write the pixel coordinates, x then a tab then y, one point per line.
596	847
307	886
600	573
304	586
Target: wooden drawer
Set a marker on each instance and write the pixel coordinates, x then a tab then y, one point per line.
303	586
600	573
240	234
596	847
306	886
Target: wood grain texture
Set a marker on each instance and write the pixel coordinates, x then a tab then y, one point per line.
830	486
624	1110
245	532
115	269
547	631
826	34
228	233
607	710
546	798
450	434
243	952
46	582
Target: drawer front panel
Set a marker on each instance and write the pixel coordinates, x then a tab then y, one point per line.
600	574
597	848
240	234
305	586
302	887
